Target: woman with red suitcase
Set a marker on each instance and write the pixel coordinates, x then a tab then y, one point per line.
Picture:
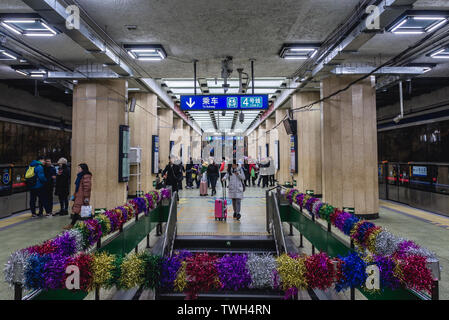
235	177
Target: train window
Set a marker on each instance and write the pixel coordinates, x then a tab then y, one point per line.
442	179
392	174
421	177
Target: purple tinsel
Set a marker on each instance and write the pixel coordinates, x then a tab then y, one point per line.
341	219
232	271
53	272
170	267
113	218
95	232
165	194
386	267
405	246
65	244
300	199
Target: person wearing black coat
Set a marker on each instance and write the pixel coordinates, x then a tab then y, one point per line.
62	187
172	174
213	174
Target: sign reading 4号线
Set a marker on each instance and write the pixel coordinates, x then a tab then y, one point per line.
224	102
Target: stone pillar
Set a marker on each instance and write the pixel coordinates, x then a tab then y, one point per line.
283	175
261	141
349	145
196	145
98	111
165	122
252	145
176	136
186	143
309	142
143	125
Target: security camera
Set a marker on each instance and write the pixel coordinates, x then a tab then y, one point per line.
223	113
241	117
398	118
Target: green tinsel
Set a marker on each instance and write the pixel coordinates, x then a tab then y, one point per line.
326	211
103	224
116	272
153	264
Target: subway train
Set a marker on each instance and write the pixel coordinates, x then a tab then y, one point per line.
418	184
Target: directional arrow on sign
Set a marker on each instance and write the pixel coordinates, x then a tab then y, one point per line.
190	103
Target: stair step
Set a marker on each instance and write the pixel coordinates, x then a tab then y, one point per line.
222	251
225	242
228	295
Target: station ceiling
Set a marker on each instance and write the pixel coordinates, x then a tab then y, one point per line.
210	30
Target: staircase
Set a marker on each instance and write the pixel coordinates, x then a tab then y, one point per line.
221	245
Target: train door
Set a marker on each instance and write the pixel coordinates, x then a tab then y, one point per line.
382	178
392	182
404	183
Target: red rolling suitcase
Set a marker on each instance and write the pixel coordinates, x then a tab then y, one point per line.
221	207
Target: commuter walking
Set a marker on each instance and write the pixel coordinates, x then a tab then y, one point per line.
81	197
235	178
247	173
35	180
264	165
172	175
189	172
271	171
223	170
252	173
50	175
62	186
213	174
196	175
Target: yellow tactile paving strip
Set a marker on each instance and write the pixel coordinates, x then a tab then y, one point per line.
21	217
432	218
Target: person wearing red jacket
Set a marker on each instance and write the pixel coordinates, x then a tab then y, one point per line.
223	171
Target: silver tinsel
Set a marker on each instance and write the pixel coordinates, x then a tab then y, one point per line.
15	267
261	269
387	243
315	207
422	252
75	233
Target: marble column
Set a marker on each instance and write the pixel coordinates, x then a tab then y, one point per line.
349	145
143	125
98	111
308	176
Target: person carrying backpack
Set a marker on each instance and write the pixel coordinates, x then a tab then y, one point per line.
35	180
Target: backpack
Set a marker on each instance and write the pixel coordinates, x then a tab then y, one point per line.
30	177
253	172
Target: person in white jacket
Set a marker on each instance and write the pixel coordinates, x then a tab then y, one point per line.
271	171
235	178
264	165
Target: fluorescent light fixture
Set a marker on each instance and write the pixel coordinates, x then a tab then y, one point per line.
298	51
150	52
22	73
419	22
6	56
441	54
7	26
32	27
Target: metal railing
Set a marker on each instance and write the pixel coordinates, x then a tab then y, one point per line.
274	223
170	228
433	265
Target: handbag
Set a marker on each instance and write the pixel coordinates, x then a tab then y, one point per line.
86	211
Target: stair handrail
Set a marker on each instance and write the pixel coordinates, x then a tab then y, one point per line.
274	219
170	228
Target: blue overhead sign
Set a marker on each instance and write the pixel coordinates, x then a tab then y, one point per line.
224	102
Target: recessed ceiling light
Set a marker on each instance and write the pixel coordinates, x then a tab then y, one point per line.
419	22
153	52
299	51
31	27
441	54
6	56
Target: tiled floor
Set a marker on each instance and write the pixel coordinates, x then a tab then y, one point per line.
196	216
